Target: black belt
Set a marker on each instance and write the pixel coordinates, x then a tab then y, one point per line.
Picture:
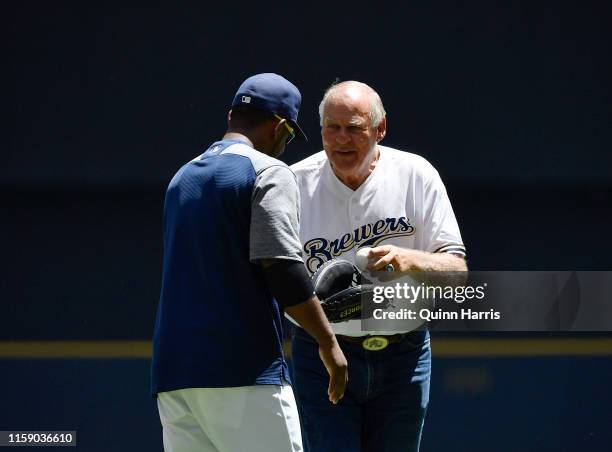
375	343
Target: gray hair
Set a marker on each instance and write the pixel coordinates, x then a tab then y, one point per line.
377	111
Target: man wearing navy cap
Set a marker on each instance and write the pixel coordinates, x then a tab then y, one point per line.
232	265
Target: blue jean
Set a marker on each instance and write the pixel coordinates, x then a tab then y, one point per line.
384	405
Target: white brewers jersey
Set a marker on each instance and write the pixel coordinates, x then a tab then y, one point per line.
403	202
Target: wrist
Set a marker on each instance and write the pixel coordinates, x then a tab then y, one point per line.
327	342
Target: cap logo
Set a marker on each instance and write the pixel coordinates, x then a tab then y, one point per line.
246	99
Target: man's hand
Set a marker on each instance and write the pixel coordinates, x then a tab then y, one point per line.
406	260
311	317
335	363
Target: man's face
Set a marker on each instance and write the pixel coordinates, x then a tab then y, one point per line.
349	139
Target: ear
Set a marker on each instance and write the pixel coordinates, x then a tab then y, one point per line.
229	116
381	130
279	129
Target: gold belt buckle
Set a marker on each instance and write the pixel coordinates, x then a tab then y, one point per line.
375	343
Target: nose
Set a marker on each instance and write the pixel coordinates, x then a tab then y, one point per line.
342	137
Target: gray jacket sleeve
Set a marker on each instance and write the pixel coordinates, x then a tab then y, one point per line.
275	205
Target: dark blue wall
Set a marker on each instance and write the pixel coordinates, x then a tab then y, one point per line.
489	91
86	264
503	405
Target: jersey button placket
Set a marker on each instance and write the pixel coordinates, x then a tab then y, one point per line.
354	210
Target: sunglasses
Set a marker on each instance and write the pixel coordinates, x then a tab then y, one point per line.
289	129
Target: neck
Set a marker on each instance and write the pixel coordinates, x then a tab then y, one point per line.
239	137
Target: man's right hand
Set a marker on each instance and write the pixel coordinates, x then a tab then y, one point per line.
337	368
311	317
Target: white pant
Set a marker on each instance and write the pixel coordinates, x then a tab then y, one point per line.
250	418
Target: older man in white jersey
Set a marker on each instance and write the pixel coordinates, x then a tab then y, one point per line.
356	194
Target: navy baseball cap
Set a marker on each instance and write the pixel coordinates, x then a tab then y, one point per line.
273	93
